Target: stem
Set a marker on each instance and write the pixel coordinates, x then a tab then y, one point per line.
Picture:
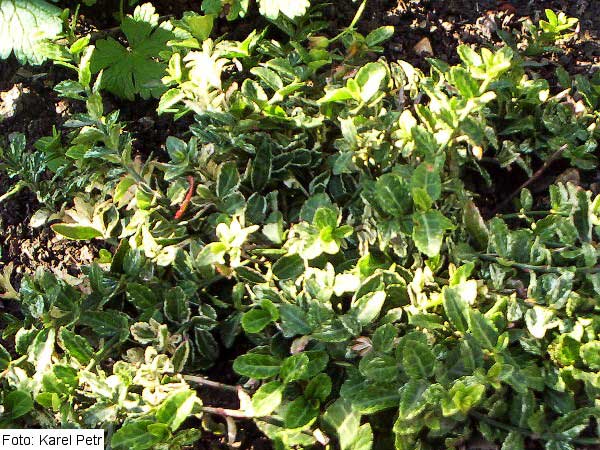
529	433
209	383
224	412
534	177
14	190
534	268
140	180
524	214
356	18
121	11
237	414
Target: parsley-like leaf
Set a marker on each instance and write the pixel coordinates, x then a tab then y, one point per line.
136	69
23	23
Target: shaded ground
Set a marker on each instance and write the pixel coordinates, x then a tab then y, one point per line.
445	24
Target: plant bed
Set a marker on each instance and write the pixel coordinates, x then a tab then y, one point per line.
304	225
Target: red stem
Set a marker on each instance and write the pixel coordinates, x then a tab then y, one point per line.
186	200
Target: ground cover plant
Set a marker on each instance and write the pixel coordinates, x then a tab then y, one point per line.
317	229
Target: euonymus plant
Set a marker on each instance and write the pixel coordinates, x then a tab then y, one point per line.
322	211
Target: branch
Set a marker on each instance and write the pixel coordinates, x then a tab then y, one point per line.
534	177
212	384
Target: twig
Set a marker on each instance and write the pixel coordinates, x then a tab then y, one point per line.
359	13
224	412
237	414
529	433
534	177
210	383
534	268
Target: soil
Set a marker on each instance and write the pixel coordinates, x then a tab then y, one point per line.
444	24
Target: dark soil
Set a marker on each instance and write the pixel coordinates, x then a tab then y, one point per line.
445	23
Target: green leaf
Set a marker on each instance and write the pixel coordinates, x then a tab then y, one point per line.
383	338
135	435
293	320
41	349
573	419
393	195
418	360
255	320
289	267
368	307
267	398
482	330
514	441
261	167
294	368
379	35
457	309
539	320
464	396
476	225
428	231
380	368
300	413
106	323
370	79
77	346
344	420
590	354
370	398
135	70
426	179
228	179
176	408
412	399
255	365
17	404
76	232
23	25
5	358
319	387
176	305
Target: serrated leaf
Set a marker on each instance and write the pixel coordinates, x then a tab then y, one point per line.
294	368
176	306
261	167
418	360
539	320
482	330
392	195
456	308
106	323
18	403
426	179
412	400
77	346
132	71
590	353
289	267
